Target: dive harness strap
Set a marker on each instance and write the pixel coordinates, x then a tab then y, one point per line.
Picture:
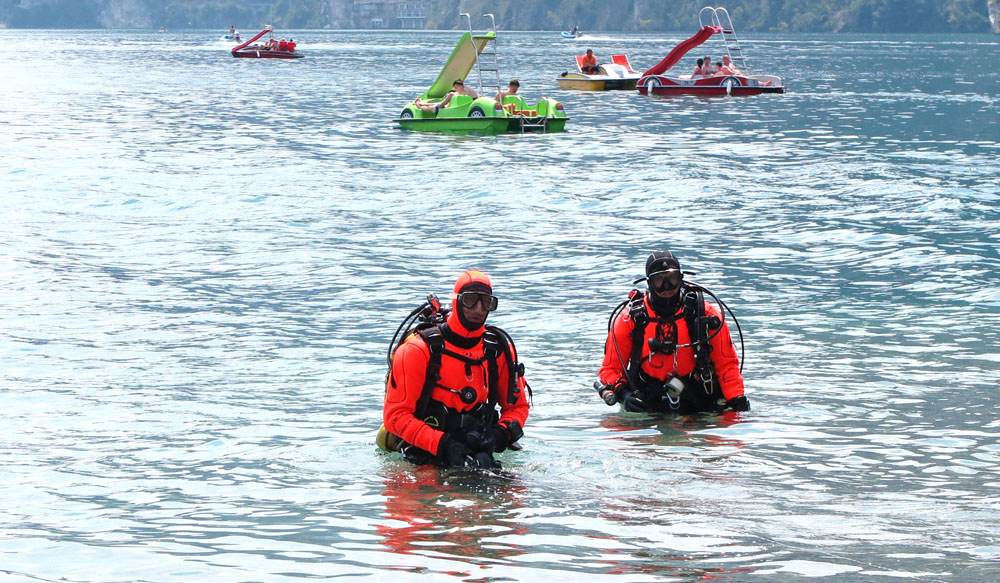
496	342
434	338
700	327
693	313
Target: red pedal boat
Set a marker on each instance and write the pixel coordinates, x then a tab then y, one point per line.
737	81
271	49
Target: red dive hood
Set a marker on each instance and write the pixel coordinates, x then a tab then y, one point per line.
474	281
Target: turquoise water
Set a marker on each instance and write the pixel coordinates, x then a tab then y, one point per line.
204	258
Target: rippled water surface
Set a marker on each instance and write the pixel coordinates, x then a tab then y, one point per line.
204	258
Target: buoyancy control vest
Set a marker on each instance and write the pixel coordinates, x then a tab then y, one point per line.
699	390
429	323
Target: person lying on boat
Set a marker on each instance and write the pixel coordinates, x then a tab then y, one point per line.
447	379
512	88
589	64
457	88
669	349
271	45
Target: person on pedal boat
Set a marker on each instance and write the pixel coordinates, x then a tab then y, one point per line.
457	88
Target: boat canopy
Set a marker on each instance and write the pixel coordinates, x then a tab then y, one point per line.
682	49
254	39
463	58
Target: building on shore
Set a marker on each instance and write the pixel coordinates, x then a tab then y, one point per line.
411	14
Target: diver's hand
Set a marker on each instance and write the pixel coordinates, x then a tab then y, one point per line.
632	401
740	403
453	452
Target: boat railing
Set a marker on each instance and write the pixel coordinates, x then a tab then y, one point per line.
720	19
487	51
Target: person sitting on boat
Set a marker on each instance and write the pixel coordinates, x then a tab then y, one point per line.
697	69
728	67
707	68
270	45
589	64
447	379
669	349
291	45
575	30
283	45
512	88
457	88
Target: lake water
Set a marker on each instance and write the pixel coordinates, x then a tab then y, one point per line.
204	258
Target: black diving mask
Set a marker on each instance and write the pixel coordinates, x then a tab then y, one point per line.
666	280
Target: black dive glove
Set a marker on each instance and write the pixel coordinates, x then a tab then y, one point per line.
633	402
498	437
453	452
740	403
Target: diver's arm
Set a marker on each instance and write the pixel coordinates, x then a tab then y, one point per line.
406	383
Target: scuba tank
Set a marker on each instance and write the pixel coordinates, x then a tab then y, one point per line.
426	315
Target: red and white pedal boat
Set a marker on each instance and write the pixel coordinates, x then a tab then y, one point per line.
656	82
248	50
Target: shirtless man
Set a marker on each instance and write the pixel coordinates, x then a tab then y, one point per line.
511	90
728	67
457	88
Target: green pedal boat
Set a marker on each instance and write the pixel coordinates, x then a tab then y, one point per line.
482	114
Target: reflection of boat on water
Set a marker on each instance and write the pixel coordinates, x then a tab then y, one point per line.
740	82
482	114
269	50
618	74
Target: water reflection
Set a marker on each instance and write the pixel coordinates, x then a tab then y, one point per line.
459	514
204	259
678	430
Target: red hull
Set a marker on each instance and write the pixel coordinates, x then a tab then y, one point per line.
249	54
737	91
728	85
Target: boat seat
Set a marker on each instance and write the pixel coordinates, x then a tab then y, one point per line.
623	61
460	100
516	100
579	63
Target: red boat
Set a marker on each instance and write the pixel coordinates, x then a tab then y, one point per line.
738	82
271	49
